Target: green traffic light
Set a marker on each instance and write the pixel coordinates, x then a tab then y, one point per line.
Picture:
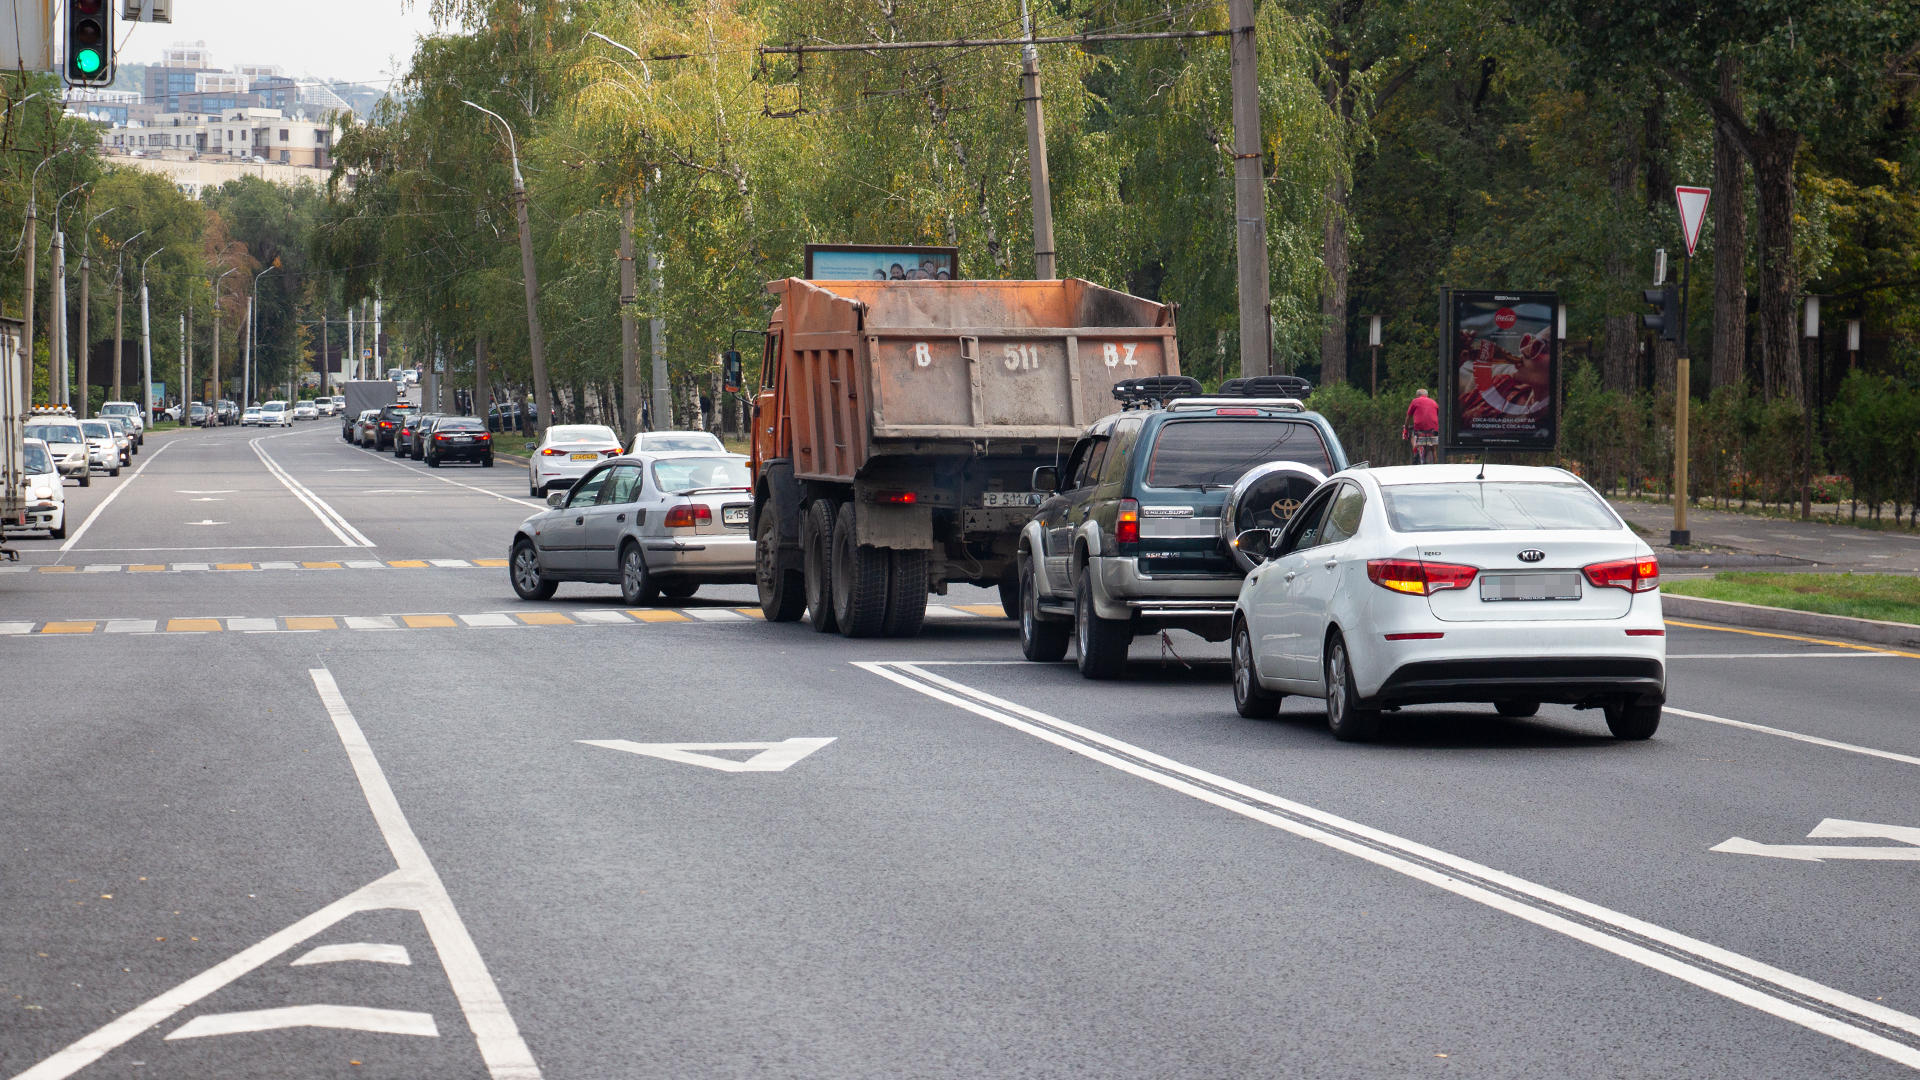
87	60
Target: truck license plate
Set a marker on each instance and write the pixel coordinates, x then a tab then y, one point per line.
1013	498
733	515
1530	586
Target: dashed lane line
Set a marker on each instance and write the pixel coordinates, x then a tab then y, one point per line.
434	620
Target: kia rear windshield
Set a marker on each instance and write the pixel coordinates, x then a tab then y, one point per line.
1491	505
1214	453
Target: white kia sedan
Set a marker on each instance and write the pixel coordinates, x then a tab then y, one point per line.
565	453
276	414
1415	585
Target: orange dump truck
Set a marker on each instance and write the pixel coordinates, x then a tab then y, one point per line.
899	424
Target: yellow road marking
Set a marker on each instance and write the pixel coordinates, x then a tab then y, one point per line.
408	564
544	618
68	628
657	615
991	611
1795	637
319	622
321	565
752	612
58	569
146	568
233	566
495	563
184	625
428	622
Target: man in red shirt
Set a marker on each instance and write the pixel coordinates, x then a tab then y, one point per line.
1423	419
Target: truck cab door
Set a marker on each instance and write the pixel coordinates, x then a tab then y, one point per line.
766	413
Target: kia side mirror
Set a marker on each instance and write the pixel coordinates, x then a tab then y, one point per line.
732	373
1046	478
556	499
1256	544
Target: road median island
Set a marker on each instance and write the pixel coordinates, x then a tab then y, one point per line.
1882	609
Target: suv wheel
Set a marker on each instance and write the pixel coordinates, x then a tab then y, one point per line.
1042	640
1102	643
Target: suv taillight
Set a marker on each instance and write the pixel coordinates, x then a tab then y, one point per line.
1416	578
686	517
1633	575
1126	530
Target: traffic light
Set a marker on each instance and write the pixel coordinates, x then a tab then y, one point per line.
89	43
1667	299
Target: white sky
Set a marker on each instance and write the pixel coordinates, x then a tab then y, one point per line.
366	41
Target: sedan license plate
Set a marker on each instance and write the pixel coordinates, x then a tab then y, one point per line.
583	457
463	438
1013	498
733	515
1530	586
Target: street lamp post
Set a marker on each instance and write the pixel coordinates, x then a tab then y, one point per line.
253	309
119	312
221	276
86	311
1812	335
31	250
58	365
536	342
146	339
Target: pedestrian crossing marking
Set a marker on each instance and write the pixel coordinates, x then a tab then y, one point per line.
312	622
491	564
147	568
320	565
68	628
656	615
428	622
409	564
233	566
178	626
536	617
544	618
58	569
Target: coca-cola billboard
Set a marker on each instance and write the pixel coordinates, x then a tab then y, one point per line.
1499	370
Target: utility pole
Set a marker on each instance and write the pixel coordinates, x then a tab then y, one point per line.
217	328
657	330
26	331
119	320
1249	195
1036	153
86	313
186	393
378	370
57	355
482	396
246	364
146	341
353	355
536	341
629	333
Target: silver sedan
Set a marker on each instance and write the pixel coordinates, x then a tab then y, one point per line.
650	523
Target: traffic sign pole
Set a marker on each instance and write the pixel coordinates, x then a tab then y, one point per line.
1692	202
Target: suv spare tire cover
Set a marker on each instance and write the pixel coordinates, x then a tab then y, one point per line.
1264	497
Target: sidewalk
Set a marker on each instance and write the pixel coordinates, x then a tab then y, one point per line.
1740	541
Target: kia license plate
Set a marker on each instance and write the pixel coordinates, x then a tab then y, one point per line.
1530	586
1013	498
583	457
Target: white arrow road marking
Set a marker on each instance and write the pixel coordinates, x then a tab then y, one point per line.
344	1017
210	491
773	756
414	886
1835	829
356	950
209	521
1849	1018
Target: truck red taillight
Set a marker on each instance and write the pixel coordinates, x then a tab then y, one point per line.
896	498
686	517
1127	529
1633	575
1417	578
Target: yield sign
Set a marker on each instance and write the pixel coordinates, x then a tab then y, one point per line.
773	756
1836	829
1693	211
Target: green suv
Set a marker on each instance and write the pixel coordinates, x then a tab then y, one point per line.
1136	533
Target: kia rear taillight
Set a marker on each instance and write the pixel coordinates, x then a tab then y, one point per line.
615	452
686	517
1416	578
551	452
1127	529
1633	575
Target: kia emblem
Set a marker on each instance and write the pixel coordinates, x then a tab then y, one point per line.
1532	555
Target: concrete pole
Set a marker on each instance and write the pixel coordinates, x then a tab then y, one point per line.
86	337
353	354
482	397
186	389
146	350
1043	254
216	346
536	341
26	331
120	323
1249	195
657	329
246	366
57	356
629	333
379	372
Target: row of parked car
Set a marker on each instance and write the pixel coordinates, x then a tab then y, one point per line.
430	437
62	447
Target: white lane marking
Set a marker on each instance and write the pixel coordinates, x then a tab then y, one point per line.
1835	829
344	1017
371	622
252	624
100	568
331	518
942	611
365	564
131	626
16	628
773	756
601	617
210	491
227	547
1821	655
278	566
451	563
1815	740
1774	991
112	495
208	521
488	620
424	474
364	951
715	615
501	1047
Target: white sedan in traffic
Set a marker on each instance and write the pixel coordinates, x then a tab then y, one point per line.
566	452
275	414
1415	585
306	410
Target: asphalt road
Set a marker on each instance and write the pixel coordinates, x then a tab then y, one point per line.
347	808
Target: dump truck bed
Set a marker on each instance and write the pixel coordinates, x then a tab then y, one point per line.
900	367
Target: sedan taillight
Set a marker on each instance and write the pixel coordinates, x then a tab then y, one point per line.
551	452
1417	578
686	517
1633	575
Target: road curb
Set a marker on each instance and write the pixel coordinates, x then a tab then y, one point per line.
1756	616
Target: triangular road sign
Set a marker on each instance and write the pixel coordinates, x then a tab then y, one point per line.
773	756
1693	212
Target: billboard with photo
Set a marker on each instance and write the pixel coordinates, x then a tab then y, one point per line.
879	262
1499	370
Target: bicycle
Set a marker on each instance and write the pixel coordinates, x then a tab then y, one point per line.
1426	446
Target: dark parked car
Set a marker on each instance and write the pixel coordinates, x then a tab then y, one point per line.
1136	531
508	417
413	434
386	432
457	438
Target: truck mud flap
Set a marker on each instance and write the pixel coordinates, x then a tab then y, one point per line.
903	528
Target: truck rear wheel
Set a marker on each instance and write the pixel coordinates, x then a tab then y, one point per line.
906	593
816	538
859	579
783	593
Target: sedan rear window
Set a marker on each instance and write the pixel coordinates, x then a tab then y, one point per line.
460	424
1215	453
1490	505
693	473
55	433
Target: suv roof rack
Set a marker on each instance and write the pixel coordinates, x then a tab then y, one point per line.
1278	386
1283	404
1154	390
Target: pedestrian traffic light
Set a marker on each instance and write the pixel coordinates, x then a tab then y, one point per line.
89	43
1667	299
